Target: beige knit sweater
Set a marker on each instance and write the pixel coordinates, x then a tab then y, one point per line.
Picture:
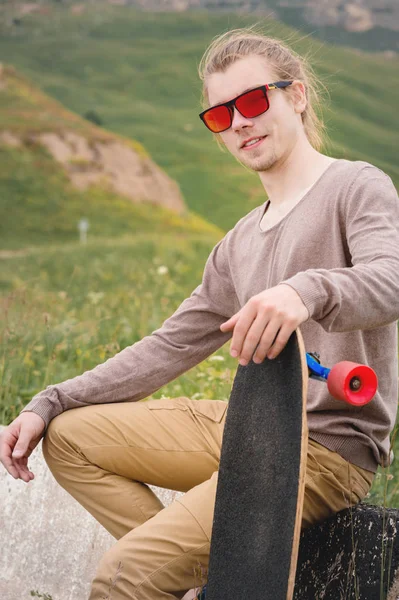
339	249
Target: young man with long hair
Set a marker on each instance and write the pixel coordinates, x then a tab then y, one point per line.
322	253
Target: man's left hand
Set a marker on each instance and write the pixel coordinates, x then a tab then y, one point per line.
265	323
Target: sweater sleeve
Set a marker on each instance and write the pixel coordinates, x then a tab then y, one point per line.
186	338
364	295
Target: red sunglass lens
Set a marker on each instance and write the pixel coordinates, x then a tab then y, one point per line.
252	103
218	118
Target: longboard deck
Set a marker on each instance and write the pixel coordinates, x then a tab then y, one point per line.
261	481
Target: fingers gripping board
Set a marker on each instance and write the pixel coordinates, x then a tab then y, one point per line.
261	481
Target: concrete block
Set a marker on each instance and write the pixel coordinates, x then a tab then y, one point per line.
49	542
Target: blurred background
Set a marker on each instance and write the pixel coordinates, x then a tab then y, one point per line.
113	193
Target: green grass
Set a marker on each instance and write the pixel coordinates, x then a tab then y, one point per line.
68	307
138	71
39	205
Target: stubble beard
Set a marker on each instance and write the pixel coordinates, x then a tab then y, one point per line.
259	163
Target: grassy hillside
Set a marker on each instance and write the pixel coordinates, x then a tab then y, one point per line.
39	203
138	72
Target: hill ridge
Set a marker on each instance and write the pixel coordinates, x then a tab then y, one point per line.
91	155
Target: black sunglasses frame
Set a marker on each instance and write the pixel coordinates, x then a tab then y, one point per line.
232	103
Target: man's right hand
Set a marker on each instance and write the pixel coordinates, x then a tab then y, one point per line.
17	442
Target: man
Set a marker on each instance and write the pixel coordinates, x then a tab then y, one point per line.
322	253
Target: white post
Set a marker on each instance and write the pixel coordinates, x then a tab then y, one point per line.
83	226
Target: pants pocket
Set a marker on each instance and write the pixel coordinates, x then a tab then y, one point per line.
199	422
180	403
356	480
215	410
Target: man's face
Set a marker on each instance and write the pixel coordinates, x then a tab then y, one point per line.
281	124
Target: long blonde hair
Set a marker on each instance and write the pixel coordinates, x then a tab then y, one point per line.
286	63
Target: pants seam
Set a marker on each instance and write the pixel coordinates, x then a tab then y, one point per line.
140	448
194	517
149	577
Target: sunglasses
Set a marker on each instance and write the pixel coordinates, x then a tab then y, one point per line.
249	104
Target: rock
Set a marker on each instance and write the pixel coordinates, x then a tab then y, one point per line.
125	171
357	18
345	556
49	542
10	139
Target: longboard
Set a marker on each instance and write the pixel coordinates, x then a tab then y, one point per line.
261	482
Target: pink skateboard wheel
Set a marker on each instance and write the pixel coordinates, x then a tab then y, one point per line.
352	383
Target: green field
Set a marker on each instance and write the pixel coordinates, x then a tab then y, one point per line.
39	204
66	307
69	307
138	71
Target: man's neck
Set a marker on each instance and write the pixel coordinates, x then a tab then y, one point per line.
288	178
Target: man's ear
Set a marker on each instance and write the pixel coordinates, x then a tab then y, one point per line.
297	96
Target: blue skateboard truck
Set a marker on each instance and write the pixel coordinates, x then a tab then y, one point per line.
347	381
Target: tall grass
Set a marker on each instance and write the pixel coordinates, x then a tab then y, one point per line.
66	308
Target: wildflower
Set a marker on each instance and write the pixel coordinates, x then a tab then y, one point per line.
162	270
95	297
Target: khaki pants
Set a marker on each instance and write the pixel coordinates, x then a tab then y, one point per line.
103	455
